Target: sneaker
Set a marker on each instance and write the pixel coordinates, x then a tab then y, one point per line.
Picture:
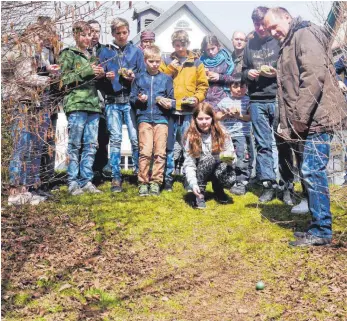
90	188
154	189
238	189
299	234
168	186
200	203
143	190
116	186
37	199
309	240
301	208
19	199
75	190
287	197
268	194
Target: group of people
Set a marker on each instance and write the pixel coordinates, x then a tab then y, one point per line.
277	90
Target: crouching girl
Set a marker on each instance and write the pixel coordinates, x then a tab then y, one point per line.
209	156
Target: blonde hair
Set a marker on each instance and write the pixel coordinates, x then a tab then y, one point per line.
119	22
180	35
151	52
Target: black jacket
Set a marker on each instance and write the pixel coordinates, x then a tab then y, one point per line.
260	52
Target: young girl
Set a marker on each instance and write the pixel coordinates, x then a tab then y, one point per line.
219	67
209	155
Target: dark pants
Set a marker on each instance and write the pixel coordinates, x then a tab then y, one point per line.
244	152
101	156
221	174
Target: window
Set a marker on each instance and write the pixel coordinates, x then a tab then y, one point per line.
148	22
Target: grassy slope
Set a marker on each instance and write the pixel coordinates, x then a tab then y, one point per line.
122	257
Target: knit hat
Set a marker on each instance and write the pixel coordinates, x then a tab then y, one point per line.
147	35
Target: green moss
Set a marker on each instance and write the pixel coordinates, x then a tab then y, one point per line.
22	298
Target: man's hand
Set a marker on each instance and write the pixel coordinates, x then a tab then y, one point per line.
342	86
110	75
213	76
142	97
253	74
269	74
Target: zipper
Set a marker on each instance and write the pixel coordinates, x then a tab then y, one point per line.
151	93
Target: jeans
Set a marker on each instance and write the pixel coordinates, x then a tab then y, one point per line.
178	125
115	115
152	140
243	169
29	130
83	129
313	171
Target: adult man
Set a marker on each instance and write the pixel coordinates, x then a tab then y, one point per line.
310	106
239	42
259	59
121	61
101	156
147	39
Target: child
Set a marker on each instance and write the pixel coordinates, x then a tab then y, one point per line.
122	61
190	81
234	113
149	95
81	105
209	155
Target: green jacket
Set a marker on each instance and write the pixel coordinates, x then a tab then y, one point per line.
78	81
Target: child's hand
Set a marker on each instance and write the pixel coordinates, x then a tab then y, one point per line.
53	69
110	75
98	70
175	63
129	75
142	97
213	76
165	103
197	192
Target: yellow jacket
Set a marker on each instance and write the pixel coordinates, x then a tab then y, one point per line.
189	79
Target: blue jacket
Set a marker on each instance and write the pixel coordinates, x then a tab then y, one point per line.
341	68
113	58
152	86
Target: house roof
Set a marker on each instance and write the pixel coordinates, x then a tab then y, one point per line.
197	13
150	7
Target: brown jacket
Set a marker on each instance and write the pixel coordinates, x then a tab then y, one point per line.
308	92
19	74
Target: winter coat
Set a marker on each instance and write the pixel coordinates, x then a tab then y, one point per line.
238	60
113	58
153	86
190	162
308	90
189	79
20	80
78	80
260	52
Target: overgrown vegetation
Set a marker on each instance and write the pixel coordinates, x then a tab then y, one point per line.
123	257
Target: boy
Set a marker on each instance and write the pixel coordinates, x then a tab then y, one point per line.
81	105
152	95
122	61
190	81
234	113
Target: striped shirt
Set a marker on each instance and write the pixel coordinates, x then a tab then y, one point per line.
234	126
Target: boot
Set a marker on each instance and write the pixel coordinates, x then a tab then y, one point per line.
269	192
